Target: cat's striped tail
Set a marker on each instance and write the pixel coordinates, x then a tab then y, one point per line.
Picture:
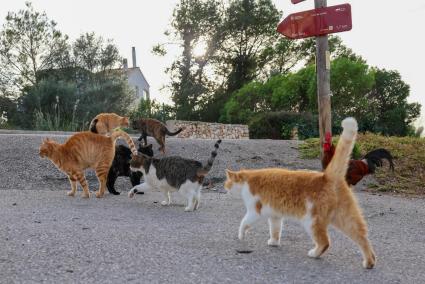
337	168
121	134
207	167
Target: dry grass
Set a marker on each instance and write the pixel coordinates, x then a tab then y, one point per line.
409	161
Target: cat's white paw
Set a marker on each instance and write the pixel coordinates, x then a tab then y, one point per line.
188	209
131	194
85	195
70	193
164	203
313	253
273	242
368	264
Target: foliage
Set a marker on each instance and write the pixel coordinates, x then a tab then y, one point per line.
29	42
250	27
393	113
250	99
52	83
409	154
92	53
71	104
153	109
280	125
351	84
376	98
336	49
8	111
241	45
194	22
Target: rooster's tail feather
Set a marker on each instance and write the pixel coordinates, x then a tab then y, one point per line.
374	159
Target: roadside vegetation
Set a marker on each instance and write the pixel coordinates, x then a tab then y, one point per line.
409	161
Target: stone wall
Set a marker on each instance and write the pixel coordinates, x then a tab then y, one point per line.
207	130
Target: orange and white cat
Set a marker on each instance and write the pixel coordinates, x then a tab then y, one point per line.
317	199
82	151
105	123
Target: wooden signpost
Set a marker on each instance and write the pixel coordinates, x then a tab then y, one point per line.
319	22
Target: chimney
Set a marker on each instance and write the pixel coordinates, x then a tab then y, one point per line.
125	64
133	51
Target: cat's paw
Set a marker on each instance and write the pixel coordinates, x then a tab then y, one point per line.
273	242
85	195
188	209
164	203
99	195
71	193
131	194
313	253
369	264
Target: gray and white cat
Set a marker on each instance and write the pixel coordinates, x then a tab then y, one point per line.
173	174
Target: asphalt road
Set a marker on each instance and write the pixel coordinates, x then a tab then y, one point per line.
46	236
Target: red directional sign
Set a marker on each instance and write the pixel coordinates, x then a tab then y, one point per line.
296	1
317	22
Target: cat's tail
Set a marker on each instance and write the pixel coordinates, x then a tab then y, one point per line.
169	133
337	168
118	133
93	125
207	167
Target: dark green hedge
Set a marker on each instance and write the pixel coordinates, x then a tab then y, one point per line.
279	125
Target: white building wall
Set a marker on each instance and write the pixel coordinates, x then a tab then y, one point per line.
137	81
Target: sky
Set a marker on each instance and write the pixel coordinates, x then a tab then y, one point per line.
386	33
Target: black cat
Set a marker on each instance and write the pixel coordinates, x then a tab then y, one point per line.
121	166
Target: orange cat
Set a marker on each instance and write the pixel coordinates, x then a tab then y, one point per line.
317	199
105	123
81	151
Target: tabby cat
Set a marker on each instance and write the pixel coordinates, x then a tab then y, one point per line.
105	123
173	174
317	199
121	166
81	151
154	128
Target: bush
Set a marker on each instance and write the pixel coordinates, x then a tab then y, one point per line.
280	125
153	109
54	104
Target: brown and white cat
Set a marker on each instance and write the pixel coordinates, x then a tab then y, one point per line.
105	123
154	128
82	151
317	199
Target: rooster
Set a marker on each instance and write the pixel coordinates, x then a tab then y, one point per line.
357	169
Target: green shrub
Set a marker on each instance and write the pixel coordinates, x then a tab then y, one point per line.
280	125
153	109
